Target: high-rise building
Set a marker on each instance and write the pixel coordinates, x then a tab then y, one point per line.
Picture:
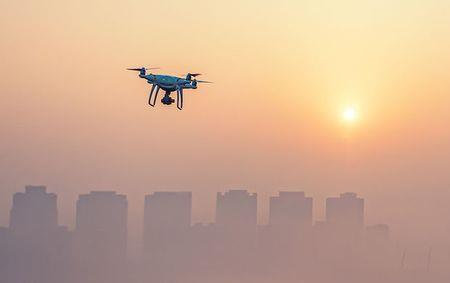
346	211
34	211
167	220
236	229
40	246
101	224
236	209
101	237
287	239
291	210
167	211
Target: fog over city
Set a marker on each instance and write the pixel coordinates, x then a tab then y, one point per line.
320	152
291	247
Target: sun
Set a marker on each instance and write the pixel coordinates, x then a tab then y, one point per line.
349	114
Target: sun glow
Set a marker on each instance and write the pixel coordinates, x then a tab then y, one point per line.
349	114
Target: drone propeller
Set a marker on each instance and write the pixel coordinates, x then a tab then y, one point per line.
206	82
139	69
142	71
192	76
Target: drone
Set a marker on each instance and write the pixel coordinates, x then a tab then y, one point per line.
169	84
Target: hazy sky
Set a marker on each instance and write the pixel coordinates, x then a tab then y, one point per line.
72	117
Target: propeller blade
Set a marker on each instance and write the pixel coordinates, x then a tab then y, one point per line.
138	69
191	74
207	82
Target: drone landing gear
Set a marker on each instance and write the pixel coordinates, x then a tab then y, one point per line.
152	98
180	98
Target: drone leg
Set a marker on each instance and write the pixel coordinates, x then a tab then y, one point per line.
155	96
151	101
180	98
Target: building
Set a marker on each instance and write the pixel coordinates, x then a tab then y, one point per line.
167	220
345	213
101	224
287	240
34	211
100	238
236	209
35	240
167	211
291	210
236	231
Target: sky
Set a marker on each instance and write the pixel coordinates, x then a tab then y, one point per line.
72	117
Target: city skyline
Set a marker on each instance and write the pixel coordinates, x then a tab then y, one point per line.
289	197
174	249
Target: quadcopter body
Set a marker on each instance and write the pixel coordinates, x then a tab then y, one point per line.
168	84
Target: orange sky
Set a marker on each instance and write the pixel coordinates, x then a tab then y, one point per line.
74	119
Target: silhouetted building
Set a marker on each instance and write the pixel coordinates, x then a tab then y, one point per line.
236	208
101	236
167	219
34	211
341	239
166	215
286	243
40	248
236	230
345	212
291	210
167	211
